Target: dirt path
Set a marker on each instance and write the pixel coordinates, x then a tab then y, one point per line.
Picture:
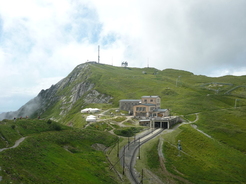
170	178
127	118
16	144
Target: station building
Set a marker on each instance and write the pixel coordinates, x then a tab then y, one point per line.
148	111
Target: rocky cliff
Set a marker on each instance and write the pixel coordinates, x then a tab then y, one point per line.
61	97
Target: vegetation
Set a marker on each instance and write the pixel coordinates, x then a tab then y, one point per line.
208	156
128	131
64	154
51	156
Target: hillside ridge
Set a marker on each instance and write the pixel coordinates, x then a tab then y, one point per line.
94	83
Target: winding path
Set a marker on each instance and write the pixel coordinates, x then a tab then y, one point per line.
16	144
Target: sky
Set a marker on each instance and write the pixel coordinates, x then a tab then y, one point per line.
42	41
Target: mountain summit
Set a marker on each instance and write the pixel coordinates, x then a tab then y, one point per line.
103	86
61	97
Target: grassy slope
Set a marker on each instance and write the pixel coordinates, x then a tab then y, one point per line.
226	125
179	90
205	160
47	156
184	95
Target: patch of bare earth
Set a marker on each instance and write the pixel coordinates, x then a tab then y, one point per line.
99	147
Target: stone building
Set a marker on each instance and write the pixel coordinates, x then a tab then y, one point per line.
127	105
148	111
147	106
150	106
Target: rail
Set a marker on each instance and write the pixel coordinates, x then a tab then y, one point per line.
141	140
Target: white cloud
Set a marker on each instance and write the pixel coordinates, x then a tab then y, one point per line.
44	40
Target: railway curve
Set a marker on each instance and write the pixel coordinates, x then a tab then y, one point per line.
128	154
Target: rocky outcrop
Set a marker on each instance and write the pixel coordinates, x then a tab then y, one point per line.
95	97
63	95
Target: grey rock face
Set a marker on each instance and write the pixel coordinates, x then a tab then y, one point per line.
63	95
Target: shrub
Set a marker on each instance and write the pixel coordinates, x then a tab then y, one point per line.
49	122
55	126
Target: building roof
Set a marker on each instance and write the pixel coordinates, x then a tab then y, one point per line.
160	110
129	100
150	97
144	120
146	104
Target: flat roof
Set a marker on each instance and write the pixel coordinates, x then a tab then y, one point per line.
160	110
147	104
128	100
143	120
150	96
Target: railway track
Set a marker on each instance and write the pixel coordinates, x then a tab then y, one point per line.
129	154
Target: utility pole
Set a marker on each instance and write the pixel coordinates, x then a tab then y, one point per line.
139	149
236	103
118	147
123	161
128	143
142	177
179	147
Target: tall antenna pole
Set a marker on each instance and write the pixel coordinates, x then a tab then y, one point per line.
98	53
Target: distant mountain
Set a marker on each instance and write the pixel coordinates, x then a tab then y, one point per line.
63	95
93	83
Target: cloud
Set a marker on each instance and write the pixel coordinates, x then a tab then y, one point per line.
44	40
199	36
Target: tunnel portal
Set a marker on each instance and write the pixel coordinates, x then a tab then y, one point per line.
161	125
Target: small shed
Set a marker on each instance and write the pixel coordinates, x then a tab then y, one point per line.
91	118
90	110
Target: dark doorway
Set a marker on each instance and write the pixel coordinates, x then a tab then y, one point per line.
165	125
157	125
161	125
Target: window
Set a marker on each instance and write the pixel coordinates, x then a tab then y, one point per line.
141	109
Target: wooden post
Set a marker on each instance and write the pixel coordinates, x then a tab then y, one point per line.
123	161
142	177
118	147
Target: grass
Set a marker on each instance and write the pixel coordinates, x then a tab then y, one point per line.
101	126
190	117
226	125
128	131
205	160
12	130
210	157
50	156
187	96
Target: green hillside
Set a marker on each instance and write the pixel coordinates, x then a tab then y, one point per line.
180	91
214	105
53	155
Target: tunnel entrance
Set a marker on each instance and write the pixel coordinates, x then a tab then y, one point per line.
157	124
161	125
